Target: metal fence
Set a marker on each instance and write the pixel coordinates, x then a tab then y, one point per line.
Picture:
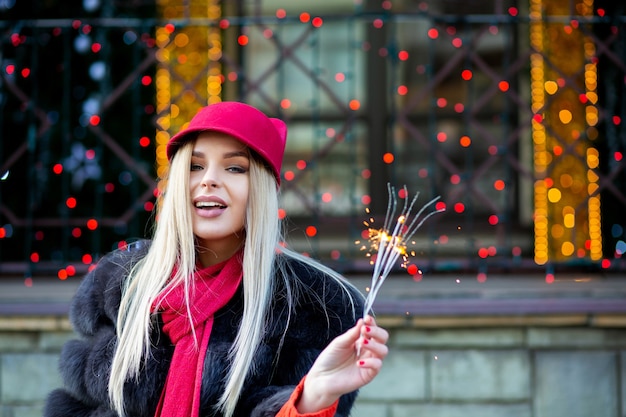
513	113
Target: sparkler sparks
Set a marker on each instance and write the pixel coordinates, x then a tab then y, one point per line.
390	242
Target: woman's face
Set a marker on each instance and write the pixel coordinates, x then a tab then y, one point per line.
219	182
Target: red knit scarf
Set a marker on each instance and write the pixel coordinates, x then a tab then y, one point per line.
212	288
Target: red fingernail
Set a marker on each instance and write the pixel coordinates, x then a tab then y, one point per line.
368	329
365	341
361	363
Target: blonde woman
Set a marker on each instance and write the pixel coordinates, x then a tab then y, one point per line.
212	316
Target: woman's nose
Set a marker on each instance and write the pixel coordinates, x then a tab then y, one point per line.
211	178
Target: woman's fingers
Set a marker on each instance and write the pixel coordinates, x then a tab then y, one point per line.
370	330
373	339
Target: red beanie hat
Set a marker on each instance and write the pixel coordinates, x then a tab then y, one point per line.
267	136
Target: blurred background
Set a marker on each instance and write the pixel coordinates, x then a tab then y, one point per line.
512	112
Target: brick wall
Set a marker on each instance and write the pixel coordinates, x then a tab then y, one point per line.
541	366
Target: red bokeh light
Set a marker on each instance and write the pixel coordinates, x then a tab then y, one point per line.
92	224
412	269
242	40
388	158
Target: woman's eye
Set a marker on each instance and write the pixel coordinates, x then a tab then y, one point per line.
237	169
195	167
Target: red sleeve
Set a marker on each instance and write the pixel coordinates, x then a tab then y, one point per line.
290	410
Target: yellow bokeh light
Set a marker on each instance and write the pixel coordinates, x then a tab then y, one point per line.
592	97
566	180
592	176
567	248
565	116
551	87
557	231
593	158
554	195
174	111
162	137
181	40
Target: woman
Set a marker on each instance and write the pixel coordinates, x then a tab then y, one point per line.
213	317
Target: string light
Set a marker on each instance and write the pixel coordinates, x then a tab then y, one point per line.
183	53
567	204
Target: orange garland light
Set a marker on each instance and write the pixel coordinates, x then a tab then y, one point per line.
567	204
183	53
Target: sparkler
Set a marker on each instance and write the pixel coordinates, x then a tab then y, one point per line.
389	244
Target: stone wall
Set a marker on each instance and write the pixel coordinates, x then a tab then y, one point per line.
501	372
457	367
29	352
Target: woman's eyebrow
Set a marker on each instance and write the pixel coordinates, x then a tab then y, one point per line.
236	154
226	155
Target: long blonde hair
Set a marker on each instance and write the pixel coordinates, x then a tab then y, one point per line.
173	244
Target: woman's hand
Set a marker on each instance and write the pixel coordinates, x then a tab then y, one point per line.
338	370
